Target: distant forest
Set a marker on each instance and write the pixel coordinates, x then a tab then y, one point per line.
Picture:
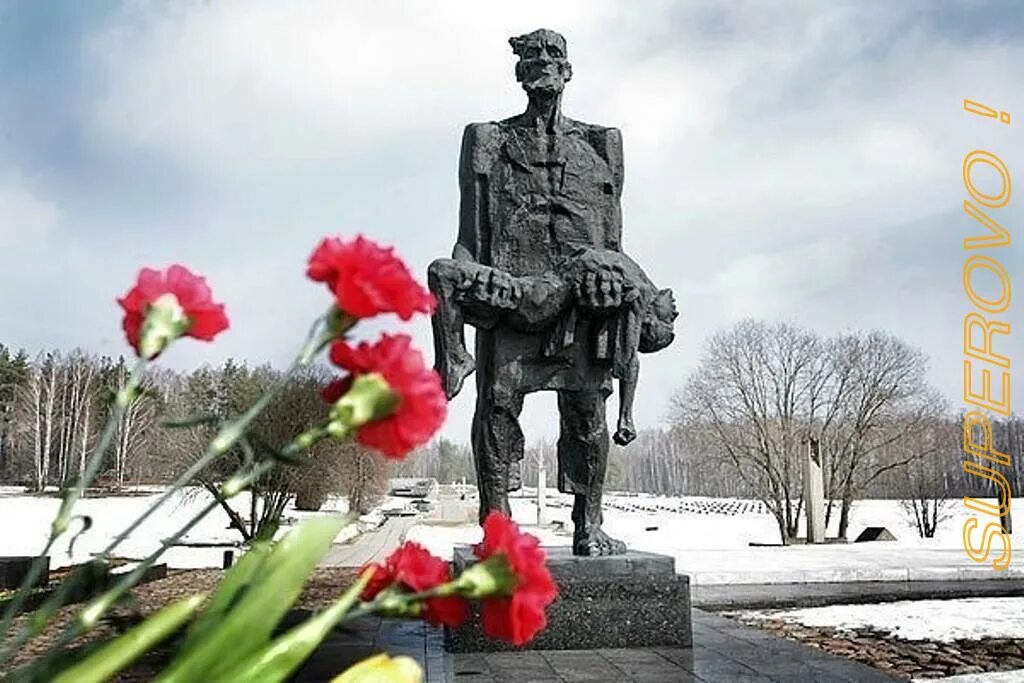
738	426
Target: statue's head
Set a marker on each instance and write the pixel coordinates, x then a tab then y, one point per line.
657	325
543	65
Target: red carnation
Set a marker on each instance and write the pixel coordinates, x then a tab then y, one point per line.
367	279
173	303
336	389
421	404
412	567
380	580
518	617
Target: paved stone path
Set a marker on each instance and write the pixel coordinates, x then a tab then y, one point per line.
364	637
723	651
370	546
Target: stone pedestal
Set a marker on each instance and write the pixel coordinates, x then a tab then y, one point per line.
632	600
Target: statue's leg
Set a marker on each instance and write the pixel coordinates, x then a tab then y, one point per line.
497	445
452	360
582	462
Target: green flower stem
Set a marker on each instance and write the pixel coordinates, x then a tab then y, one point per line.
324	330
106	662
492	577
98	607
484	579
280	658
95	610
125	395
387	599
305	441
320	334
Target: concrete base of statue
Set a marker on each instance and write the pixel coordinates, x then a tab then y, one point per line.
632	600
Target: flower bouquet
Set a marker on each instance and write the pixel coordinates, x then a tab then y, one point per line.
385	398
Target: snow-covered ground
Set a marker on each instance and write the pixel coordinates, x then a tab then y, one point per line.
26	520
710	540
942	621
938	620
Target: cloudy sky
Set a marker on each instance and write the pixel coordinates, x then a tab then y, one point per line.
785	161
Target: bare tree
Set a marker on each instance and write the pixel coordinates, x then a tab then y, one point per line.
881	397
748	404
760	389
926	490
35	415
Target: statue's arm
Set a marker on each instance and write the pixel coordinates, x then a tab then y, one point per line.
479	145
612	139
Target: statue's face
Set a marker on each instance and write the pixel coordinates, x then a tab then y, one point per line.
665	306
543	66
658	329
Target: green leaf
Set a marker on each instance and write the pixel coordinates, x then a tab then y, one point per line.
248	625
233	586
279	659
122	651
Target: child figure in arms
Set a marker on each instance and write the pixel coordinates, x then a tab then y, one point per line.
480	295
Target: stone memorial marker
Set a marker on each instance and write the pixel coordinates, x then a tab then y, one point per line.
814	493
538	270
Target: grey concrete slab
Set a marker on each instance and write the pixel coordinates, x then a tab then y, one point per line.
724	650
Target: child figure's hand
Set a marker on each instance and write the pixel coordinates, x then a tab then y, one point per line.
626	431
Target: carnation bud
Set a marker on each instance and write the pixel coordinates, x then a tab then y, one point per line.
488	578
165	321
394	603
367	400
235	485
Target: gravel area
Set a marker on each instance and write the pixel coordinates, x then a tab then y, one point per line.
900	657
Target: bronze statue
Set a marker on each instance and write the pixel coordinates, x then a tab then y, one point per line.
538	270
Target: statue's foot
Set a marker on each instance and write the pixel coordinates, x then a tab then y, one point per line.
626	432
596	542
457	369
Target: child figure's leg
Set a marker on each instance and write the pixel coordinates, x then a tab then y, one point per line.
626	368
452	360
625	431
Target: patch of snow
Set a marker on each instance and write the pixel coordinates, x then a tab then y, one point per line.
111	514
938	620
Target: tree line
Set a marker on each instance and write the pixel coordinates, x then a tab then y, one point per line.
738	427
53	407
740	424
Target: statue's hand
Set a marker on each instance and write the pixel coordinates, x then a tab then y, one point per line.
601	289
496	289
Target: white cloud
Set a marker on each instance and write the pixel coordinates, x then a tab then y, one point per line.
26	218
767	153
231	83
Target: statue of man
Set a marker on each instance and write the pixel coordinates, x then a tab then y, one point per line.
538	270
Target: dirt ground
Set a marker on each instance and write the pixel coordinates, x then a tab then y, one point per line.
325	585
